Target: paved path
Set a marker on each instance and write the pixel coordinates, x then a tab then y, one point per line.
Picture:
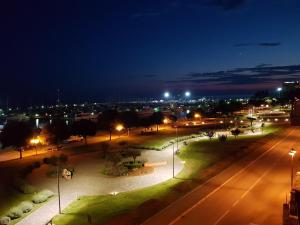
243	194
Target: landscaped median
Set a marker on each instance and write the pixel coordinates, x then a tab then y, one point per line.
202	159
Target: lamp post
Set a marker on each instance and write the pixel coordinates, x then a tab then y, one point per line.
292	154
173	153
119	128
58	186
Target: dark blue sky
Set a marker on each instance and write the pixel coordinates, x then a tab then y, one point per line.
101	49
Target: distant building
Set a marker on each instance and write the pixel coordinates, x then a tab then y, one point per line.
291	89
295	113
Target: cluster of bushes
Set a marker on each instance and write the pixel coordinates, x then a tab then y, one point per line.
222	137
23	187
26	206
132	165
119	170
28	169
42	196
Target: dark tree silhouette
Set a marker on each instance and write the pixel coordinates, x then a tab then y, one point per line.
145	122
57	131
133	153
129	119
173	118
16	133
210	134
107	120
157	119
251	119
84	128
236	132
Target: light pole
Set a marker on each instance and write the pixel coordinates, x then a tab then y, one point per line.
173	153
58	186
292	154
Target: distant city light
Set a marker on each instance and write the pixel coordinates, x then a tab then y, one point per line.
166	94
279	89
187	94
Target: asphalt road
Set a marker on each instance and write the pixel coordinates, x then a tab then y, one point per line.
249	193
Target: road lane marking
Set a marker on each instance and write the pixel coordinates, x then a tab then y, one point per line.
227	181
221	217
250	188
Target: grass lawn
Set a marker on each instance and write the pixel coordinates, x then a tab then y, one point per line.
198	157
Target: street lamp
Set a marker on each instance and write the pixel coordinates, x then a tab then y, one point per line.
35	142
292	153
173	155
187	94
119	128
166	94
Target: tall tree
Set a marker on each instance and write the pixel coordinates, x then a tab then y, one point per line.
84	128
129	119
107	120
16	133
58	131
157	119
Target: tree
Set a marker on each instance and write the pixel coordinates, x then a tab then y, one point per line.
145	122
134	153
84	128
173	118
236	132
129	119
16	133
57	131
107	120
210	134
157	119
251	119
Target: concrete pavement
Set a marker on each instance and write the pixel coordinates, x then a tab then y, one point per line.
242	194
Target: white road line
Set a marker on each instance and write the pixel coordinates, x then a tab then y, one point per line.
221	217
227	181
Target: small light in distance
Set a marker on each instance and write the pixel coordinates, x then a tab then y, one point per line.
187	94
166	94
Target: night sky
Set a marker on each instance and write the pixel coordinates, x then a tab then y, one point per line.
99	50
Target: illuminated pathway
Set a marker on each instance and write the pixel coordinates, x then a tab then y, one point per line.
243	194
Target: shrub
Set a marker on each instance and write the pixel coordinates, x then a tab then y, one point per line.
122	143
15	213
22	186
47	193
5	220
119	170
26	206
222	138
39	198
42	196
46	160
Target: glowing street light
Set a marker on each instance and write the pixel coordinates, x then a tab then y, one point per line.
165	121
187	94
292	153
197	115
35	142
279	89
119	128
166	94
